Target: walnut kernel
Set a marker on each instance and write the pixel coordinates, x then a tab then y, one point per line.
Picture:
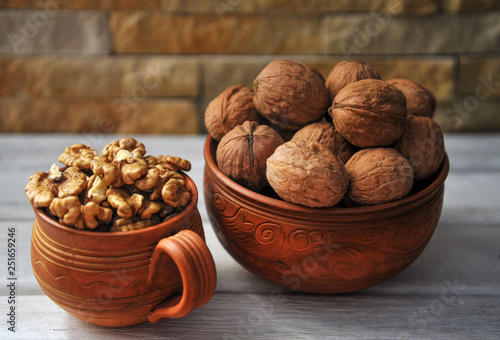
78	155
41	190
54	173
126	205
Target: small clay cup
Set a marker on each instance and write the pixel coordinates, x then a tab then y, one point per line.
320	250
125	278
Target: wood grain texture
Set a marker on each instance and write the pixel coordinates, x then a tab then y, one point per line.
281	316
451	291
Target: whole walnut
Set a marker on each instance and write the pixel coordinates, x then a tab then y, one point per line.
290	94
305	172
420	101
232	107
423	145
243	151
369	113
325	134
347	72
378	175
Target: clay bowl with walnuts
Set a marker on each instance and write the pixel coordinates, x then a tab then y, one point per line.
118	279
113	258
320	250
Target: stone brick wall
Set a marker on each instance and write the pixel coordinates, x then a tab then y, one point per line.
124	66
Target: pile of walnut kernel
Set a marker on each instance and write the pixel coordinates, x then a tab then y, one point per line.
121	190
350	140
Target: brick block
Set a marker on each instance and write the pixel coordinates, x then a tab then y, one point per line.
382	33
470	5
159	32
479	75
469	114
50	30
83	4
223	7
129	77
97	117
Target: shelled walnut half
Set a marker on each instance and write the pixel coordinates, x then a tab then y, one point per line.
41	189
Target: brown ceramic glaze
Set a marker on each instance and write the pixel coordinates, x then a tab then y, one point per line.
125	278
320	250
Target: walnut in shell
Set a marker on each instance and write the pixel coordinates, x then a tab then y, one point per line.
420	101
347	72
290	94
308	173
325	133
369	113
378	175
232	107
423	145
243	151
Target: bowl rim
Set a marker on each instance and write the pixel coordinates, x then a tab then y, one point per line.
192	205
282	205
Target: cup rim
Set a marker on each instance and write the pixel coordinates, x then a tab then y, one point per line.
172	221
282	205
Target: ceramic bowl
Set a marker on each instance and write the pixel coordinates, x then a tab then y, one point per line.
125	278
320	250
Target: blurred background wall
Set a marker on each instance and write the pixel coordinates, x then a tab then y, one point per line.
121	66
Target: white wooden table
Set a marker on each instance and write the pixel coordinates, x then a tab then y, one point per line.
451	292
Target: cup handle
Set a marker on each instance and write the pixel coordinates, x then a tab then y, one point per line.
196	266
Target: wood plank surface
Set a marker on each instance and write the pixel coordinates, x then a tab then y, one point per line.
452	291
288	316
